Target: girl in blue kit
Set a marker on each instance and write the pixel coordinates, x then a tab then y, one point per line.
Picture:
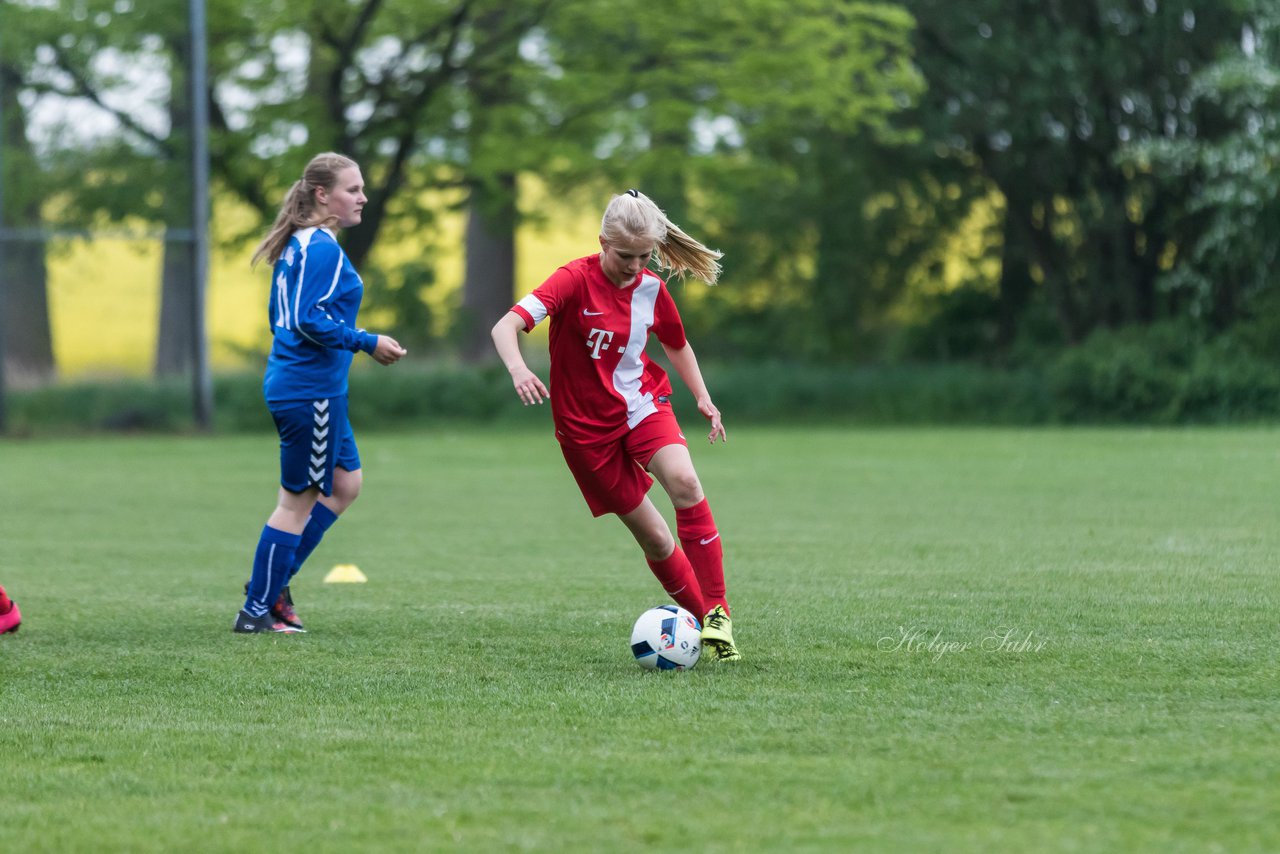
315	295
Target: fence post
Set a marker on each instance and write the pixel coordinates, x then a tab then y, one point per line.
202	380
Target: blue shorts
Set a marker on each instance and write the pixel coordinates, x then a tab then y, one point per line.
314	438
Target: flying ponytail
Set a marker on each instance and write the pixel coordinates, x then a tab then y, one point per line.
634	216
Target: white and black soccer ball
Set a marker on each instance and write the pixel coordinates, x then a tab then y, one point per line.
666	638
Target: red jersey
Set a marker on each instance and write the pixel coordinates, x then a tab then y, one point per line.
602	383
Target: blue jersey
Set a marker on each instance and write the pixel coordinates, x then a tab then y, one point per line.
315	295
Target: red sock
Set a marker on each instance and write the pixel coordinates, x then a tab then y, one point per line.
6	605
697	532
678	579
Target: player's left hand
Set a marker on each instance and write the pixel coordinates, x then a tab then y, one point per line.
708	409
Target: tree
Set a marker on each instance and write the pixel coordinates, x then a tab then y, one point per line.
388	84
288	80
495	91
728	115
140	170
473	94
24	302
1225	262
1039	100
711	108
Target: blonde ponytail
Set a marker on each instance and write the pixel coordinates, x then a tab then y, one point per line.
634	216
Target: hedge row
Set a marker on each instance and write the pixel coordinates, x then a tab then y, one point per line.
1115	381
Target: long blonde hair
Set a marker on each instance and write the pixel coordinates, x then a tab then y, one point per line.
299	208
633	216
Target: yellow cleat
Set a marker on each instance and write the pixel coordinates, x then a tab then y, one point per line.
717	635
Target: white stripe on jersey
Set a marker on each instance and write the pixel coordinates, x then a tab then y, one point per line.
534	306
626	377
337	274
282	301
304	237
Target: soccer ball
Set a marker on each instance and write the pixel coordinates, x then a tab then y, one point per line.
666	638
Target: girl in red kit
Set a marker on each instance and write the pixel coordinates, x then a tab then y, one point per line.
612	408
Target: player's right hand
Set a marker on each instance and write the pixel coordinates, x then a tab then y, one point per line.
388	350
528	386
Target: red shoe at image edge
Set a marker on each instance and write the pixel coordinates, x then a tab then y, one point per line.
10	620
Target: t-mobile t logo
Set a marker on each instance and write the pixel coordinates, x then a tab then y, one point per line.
597	340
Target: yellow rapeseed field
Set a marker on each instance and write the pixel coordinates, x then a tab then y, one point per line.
104	295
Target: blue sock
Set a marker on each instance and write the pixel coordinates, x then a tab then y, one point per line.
322	519
271	563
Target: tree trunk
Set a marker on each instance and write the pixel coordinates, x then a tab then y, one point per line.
175	335
841	299
488	284
1016	286
488	287
174	341
28	344
24	291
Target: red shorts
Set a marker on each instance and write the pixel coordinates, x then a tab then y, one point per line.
613	476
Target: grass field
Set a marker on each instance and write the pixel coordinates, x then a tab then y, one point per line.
954	640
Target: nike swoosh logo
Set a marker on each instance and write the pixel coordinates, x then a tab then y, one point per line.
708	540
591	313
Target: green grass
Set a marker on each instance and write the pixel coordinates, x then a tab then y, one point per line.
477	693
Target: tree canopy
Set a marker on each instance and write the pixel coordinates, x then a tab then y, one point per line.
1092	165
